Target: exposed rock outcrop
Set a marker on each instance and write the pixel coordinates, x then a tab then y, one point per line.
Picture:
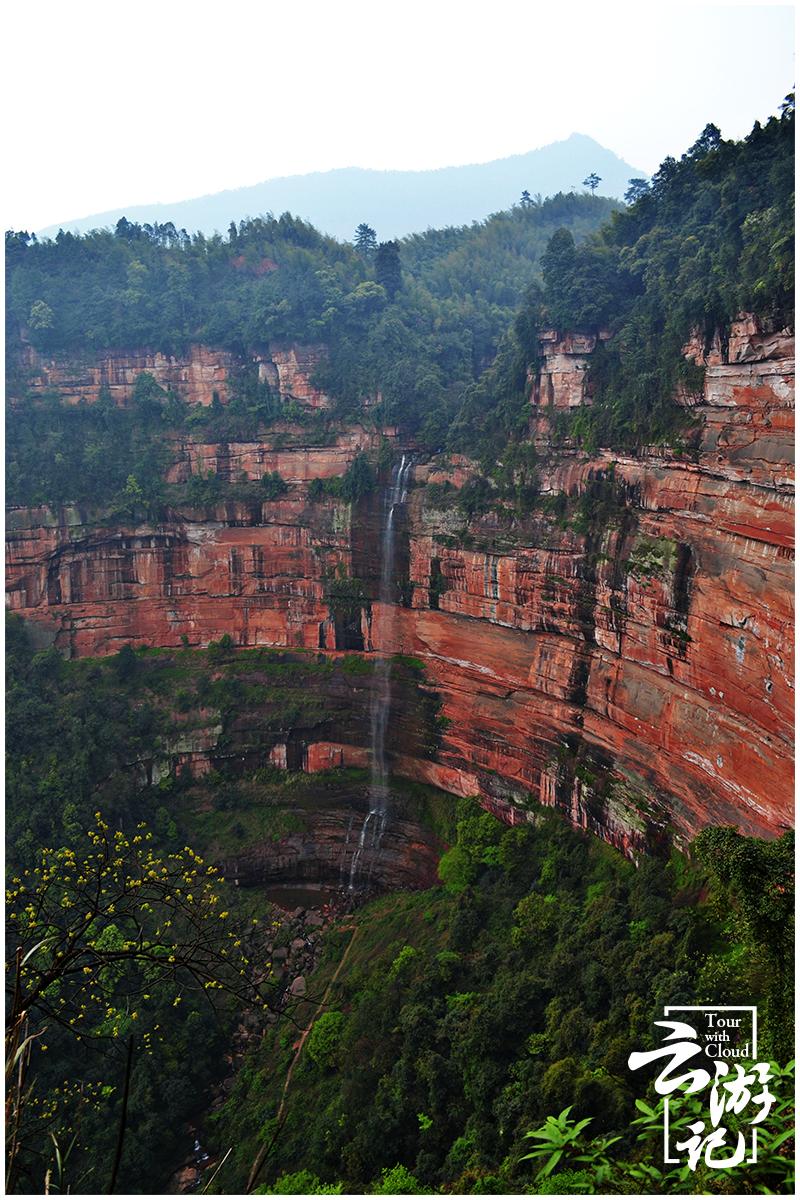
625	654
559	380
401	854
198	376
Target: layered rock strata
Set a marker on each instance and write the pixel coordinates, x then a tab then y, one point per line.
402	854
198	376
623	651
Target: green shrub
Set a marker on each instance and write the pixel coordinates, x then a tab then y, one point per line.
325	1038
301	1183
273	486
402	962
396	1181
456	871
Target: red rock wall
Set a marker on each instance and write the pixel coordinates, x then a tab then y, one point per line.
196	376
294	367
636	670
295	464
256	575
560	379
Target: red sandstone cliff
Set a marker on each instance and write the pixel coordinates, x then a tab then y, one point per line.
635	669
197	376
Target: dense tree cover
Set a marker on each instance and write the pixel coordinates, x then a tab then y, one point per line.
710	237
469	1013
113	945
59	454
141	286
416	322
69	730
81	737
426	323
270	279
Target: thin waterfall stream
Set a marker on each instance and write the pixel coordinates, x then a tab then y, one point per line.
380	699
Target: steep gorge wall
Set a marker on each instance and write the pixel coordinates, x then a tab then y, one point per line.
633	666
651	654
197	375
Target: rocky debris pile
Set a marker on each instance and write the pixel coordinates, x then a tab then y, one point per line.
290	944
290	947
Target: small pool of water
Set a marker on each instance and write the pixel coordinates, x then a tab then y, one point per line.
291	896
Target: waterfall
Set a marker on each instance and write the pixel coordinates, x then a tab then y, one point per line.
344	850
380	698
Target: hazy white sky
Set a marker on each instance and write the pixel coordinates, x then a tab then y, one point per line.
111	103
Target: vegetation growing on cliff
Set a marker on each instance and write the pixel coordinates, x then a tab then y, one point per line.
105	717
710	237
470	1013
274	280
357	481
115	458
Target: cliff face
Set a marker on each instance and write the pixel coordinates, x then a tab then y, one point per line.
321	852
638	674
302	713
197	376
625	653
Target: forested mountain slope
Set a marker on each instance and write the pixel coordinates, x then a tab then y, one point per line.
582	618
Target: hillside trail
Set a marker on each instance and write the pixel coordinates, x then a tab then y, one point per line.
264	1151
319	1009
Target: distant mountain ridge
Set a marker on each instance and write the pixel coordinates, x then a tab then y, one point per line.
395	203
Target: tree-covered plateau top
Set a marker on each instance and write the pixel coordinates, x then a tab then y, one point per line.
711	236
424	313
428	323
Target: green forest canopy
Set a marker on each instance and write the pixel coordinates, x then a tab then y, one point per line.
709	237
541	945
467	1013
